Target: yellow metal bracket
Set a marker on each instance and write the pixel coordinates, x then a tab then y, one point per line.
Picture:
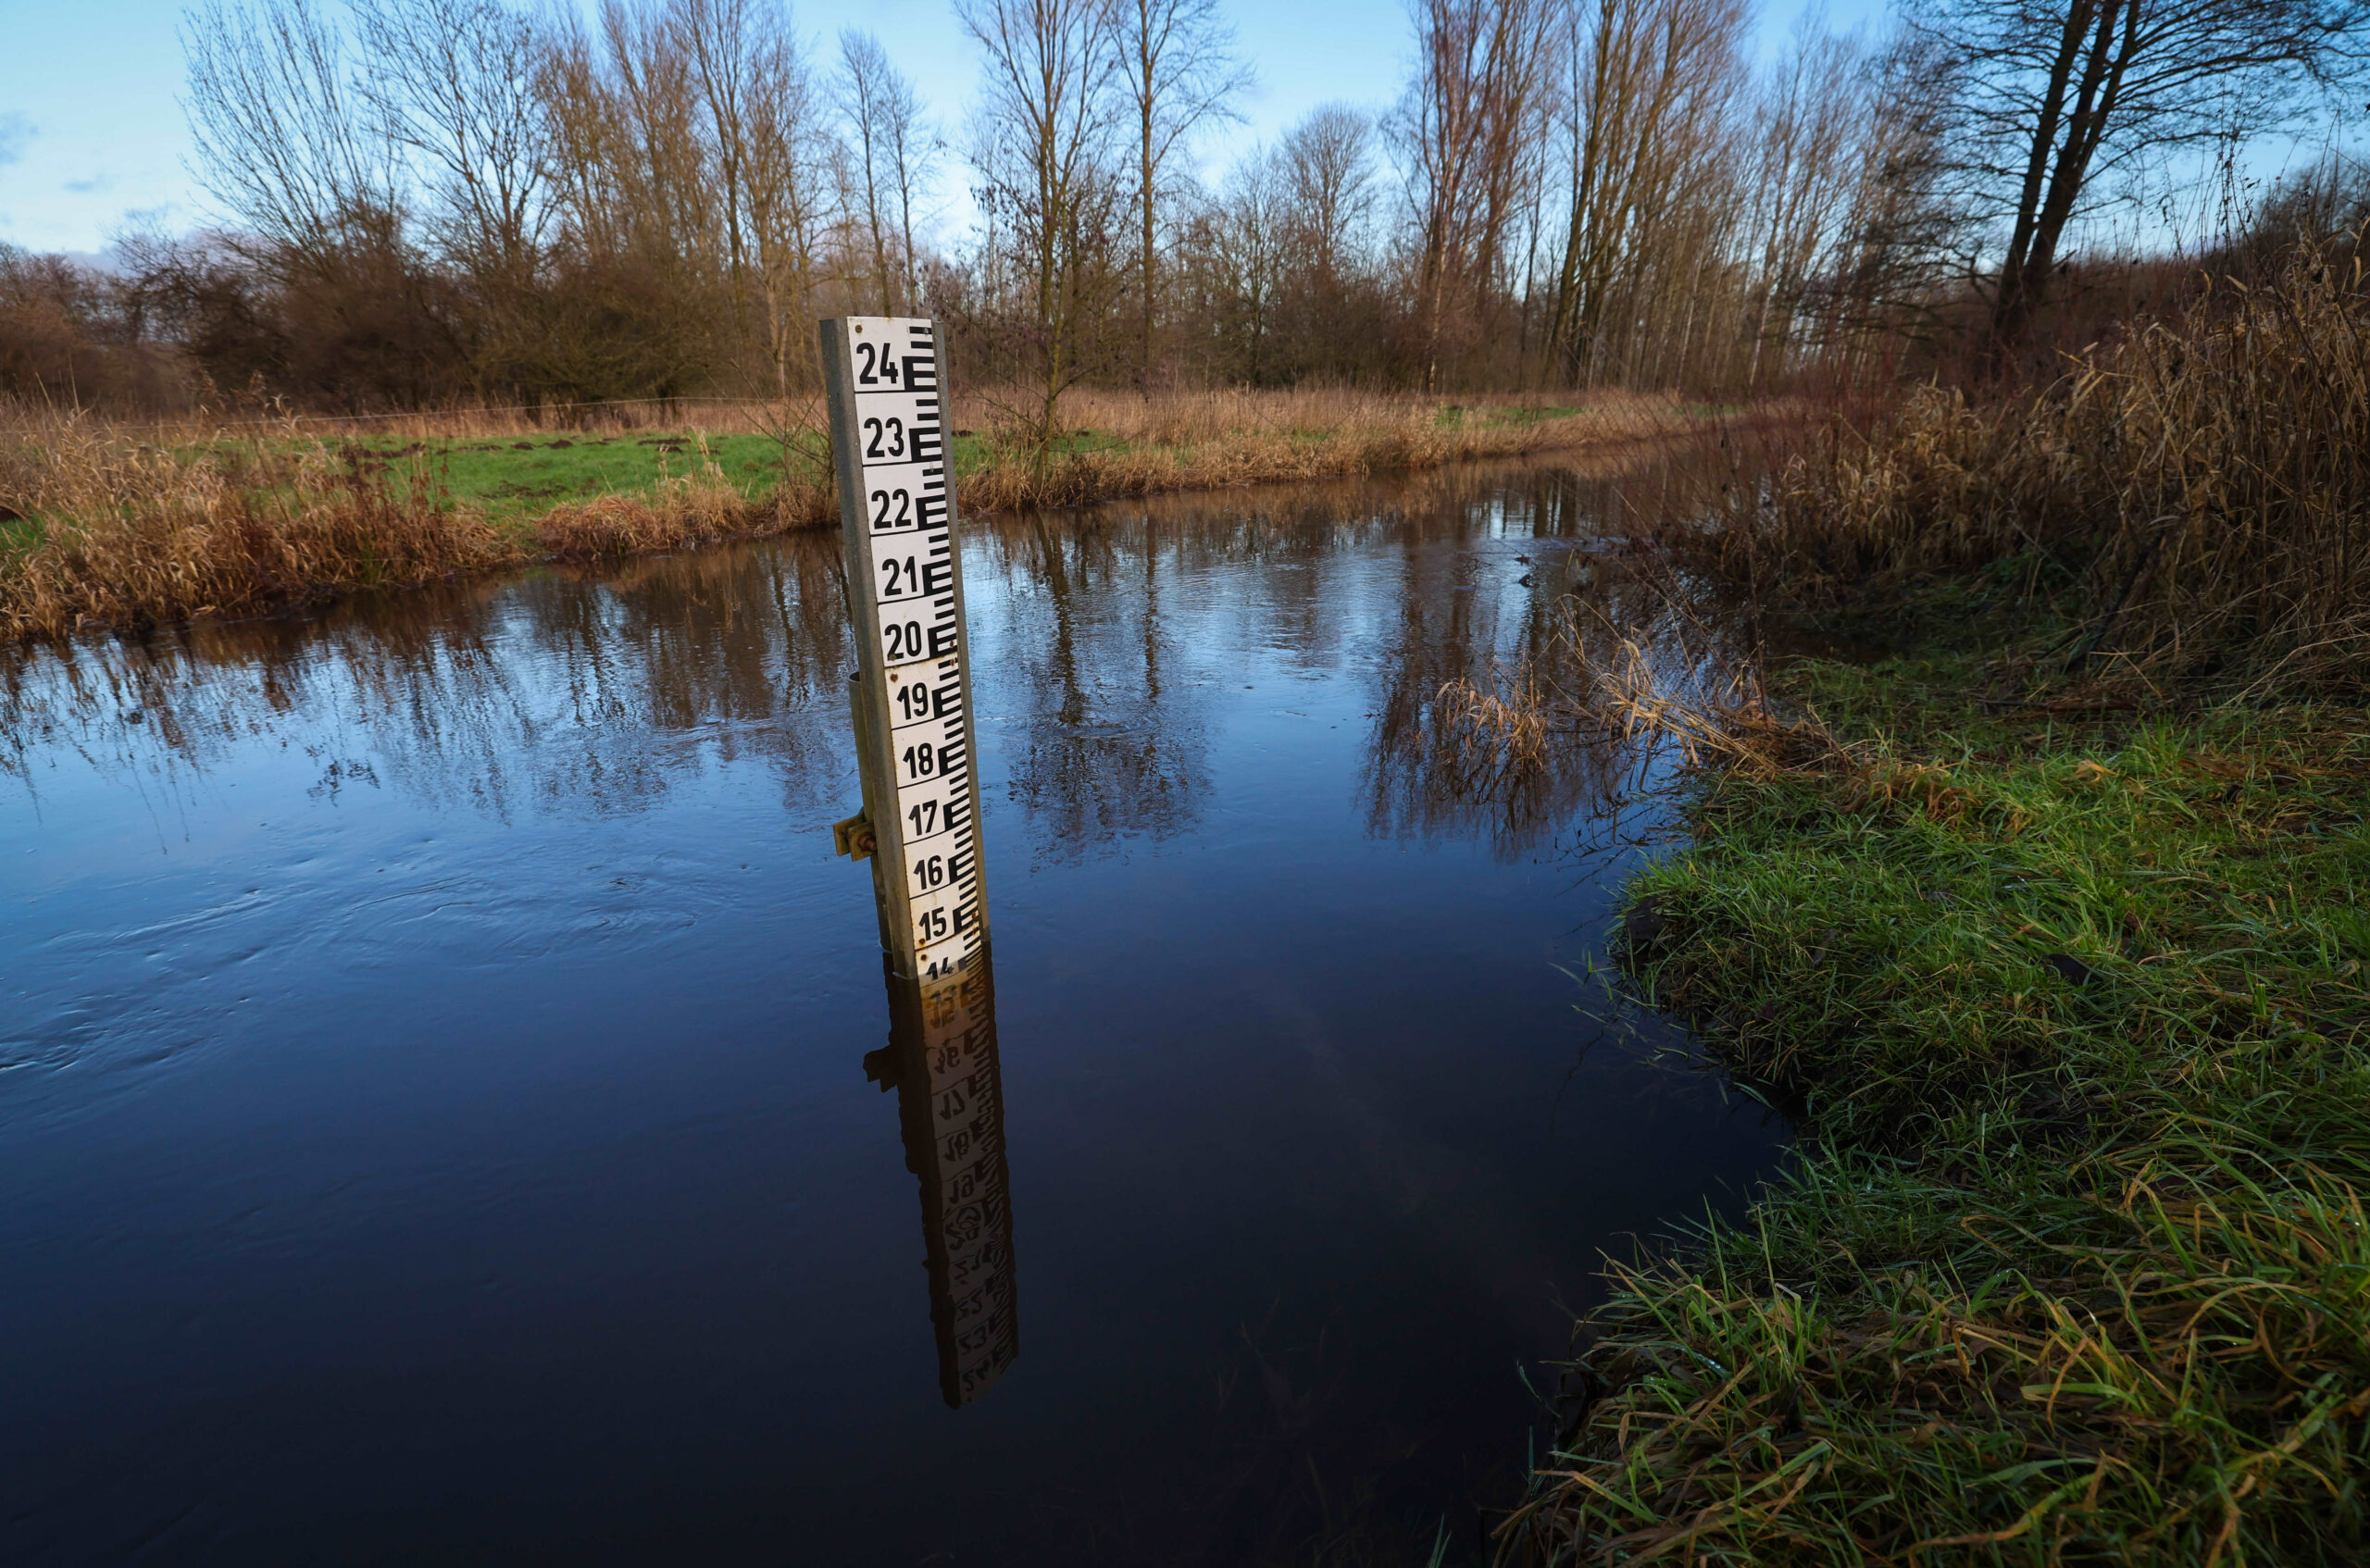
853	837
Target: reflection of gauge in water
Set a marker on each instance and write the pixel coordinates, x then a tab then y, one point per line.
942	1061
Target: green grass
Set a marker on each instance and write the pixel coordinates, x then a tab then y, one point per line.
1501	416
517	478
2071	1264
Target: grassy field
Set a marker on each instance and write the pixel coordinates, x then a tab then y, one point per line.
528	476
108	527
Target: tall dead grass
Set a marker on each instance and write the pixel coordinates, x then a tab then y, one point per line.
129	534
699	506
2203	483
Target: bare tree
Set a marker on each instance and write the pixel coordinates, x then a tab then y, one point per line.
281	138
1177	59
646	120
1811	123
913	149
786	198
1650	91
1329	167
2060	94
1250	228
456	82
1901	230
1044	145
893	155
724	44
1466	130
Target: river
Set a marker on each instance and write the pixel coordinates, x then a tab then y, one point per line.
447	1091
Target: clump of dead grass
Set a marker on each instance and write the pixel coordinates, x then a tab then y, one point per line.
1643	694
2202	484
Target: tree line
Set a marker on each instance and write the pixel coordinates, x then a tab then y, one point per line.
426	202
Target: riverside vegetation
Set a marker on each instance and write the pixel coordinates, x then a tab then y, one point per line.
2047	929
112	527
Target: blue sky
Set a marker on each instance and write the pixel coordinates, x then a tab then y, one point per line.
91	125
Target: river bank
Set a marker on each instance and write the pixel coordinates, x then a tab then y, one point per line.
2046	930
106	527
2069	1004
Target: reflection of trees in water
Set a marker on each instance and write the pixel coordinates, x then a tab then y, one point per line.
554	691
1427	777
1112	742
1465	633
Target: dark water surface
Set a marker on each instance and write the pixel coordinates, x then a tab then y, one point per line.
434	1123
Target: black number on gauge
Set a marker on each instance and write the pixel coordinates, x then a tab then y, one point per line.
902	575
904	640
931	924
924	818
882	501
875	365
914	700
888	438
929	873
921	761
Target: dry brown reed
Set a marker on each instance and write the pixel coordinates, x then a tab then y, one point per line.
1677	689
2205	480
1718	714
133	535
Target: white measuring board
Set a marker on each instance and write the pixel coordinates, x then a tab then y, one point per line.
890	446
